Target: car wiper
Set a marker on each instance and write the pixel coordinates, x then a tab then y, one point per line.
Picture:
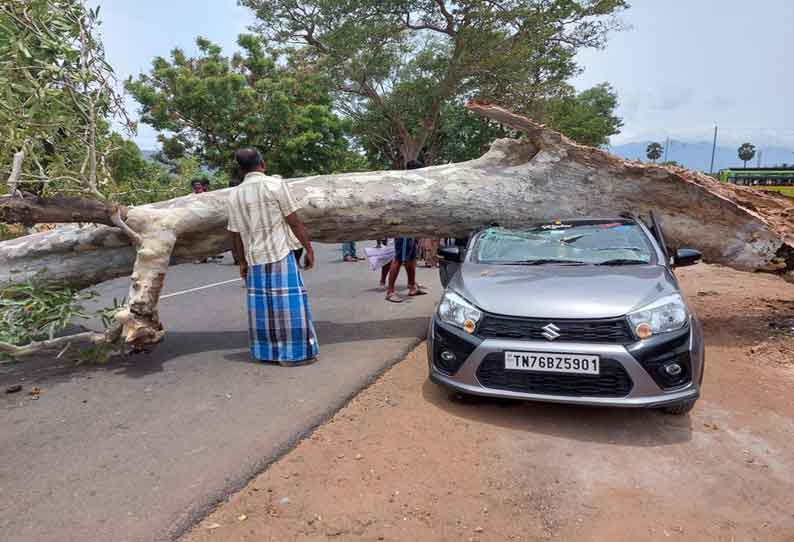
543	261
622	261
633	249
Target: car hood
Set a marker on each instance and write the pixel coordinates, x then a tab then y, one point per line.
562	291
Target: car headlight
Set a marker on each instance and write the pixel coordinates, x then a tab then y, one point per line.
665	314
455	310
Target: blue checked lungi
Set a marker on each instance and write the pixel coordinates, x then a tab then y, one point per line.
280	322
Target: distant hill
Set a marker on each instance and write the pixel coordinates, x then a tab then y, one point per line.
697	156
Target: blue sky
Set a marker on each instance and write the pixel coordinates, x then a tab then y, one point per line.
682	65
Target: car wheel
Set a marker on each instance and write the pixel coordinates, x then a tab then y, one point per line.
679	409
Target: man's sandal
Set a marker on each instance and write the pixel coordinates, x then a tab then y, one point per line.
394	298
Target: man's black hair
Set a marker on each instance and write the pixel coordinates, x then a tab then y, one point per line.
197	181
414	164
248	159
205	183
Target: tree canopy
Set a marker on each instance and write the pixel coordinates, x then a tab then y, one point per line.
589	117
59	97
746	152
214	104
402	61
654	151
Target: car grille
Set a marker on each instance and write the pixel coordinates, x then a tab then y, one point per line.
613	330
613	380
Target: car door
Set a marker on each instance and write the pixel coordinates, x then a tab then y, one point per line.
450	259
658	234
447	268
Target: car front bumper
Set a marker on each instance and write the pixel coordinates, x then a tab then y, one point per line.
644	393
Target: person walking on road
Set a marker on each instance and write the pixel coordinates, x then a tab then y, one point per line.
265	229
349	252
405	252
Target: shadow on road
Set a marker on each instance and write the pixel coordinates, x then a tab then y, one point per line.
184	343
626	427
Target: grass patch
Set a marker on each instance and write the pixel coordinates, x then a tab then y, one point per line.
785	190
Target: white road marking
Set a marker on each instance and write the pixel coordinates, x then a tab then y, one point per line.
191	290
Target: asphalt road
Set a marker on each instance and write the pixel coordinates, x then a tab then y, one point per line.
141	448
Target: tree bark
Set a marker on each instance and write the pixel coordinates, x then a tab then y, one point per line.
543	177
29	209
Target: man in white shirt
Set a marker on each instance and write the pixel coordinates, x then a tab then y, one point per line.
265	229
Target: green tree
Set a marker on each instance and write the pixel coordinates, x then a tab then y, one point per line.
654	151
58	97
214	104
462	135
589	117
402	61
138	181
746	152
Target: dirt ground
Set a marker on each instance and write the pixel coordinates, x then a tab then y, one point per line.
403	462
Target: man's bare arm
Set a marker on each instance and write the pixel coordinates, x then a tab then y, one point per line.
239	252
296	225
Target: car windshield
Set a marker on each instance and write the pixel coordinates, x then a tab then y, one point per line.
575	243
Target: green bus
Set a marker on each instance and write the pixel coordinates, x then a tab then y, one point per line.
759	177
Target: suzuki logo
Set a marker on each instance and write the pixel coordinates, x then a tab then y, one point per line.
551	332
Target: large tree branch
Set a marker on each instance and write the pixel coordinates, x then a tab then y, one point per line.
546	176
30	210
61	343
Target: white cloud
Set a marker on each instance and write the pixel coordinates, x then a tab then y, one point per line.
685	65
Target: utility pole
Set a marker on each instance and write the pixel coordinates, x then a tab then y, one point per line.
666	146
758	163
713	149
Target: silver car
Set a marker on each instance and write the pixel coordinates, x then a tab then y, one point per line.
584	311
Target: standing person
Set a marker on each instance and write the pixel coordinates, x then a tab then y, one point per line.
197	185
429	248
265	229
405	252
349	252
384	270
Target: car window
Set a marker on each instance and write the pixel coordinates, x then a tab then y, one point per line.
597	242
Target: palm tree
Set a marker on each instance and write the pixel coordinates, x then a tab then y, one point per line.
654	151
746	152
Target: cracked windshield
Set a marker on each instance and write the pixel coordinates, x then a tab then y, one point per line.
598	243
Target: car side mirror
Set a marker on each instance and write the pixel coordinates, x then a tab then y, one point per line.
451	254
686	256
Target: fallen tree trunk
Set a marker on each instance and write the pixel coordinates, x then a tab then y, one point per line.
542	177
28	209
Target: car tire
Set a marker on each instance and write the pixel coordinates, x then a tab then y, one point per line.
679	409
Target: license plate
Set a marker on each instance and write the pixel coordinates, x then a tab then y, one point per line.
551	362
